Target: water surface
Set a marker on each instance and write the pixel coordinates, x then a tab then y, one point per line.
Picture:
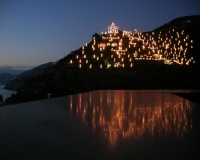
147	124
110	124
6	93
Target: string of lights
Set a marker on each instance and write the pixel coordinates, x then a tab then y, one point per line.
121	49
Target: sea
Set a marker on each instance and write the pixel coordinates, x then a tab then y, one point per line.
6	93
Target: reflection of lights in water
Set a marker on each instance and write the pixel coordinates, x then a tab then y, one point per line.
133	114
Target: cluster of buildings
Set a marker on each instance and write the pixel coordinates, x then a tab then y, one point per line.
117	48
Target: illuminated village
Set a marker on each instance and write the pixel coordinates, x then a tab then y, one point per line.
121	49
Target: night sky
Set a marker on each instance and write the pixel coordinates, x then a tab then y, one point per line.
33	32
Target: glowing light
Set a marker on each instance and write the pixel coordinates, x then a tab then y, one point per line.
93	48
113	28
108	65
142	46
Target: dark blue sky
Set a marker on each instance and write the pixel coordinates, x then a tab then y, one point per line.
33	32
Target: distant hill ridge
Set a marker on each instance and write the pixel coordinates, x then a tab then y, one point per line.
22	78
33	72
5	78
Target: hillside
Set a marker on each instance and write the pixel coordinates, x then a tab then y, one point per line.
160	59
5	78
21	79
190	24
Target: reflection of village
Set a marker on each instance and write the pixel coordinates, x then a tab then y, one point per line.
120	49
122	114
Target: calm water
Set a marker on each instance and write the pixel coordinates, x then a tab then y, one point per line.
6	93
141	124
116	124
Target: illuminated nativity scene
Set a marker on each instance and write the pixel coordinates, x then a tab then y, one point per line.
116	48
